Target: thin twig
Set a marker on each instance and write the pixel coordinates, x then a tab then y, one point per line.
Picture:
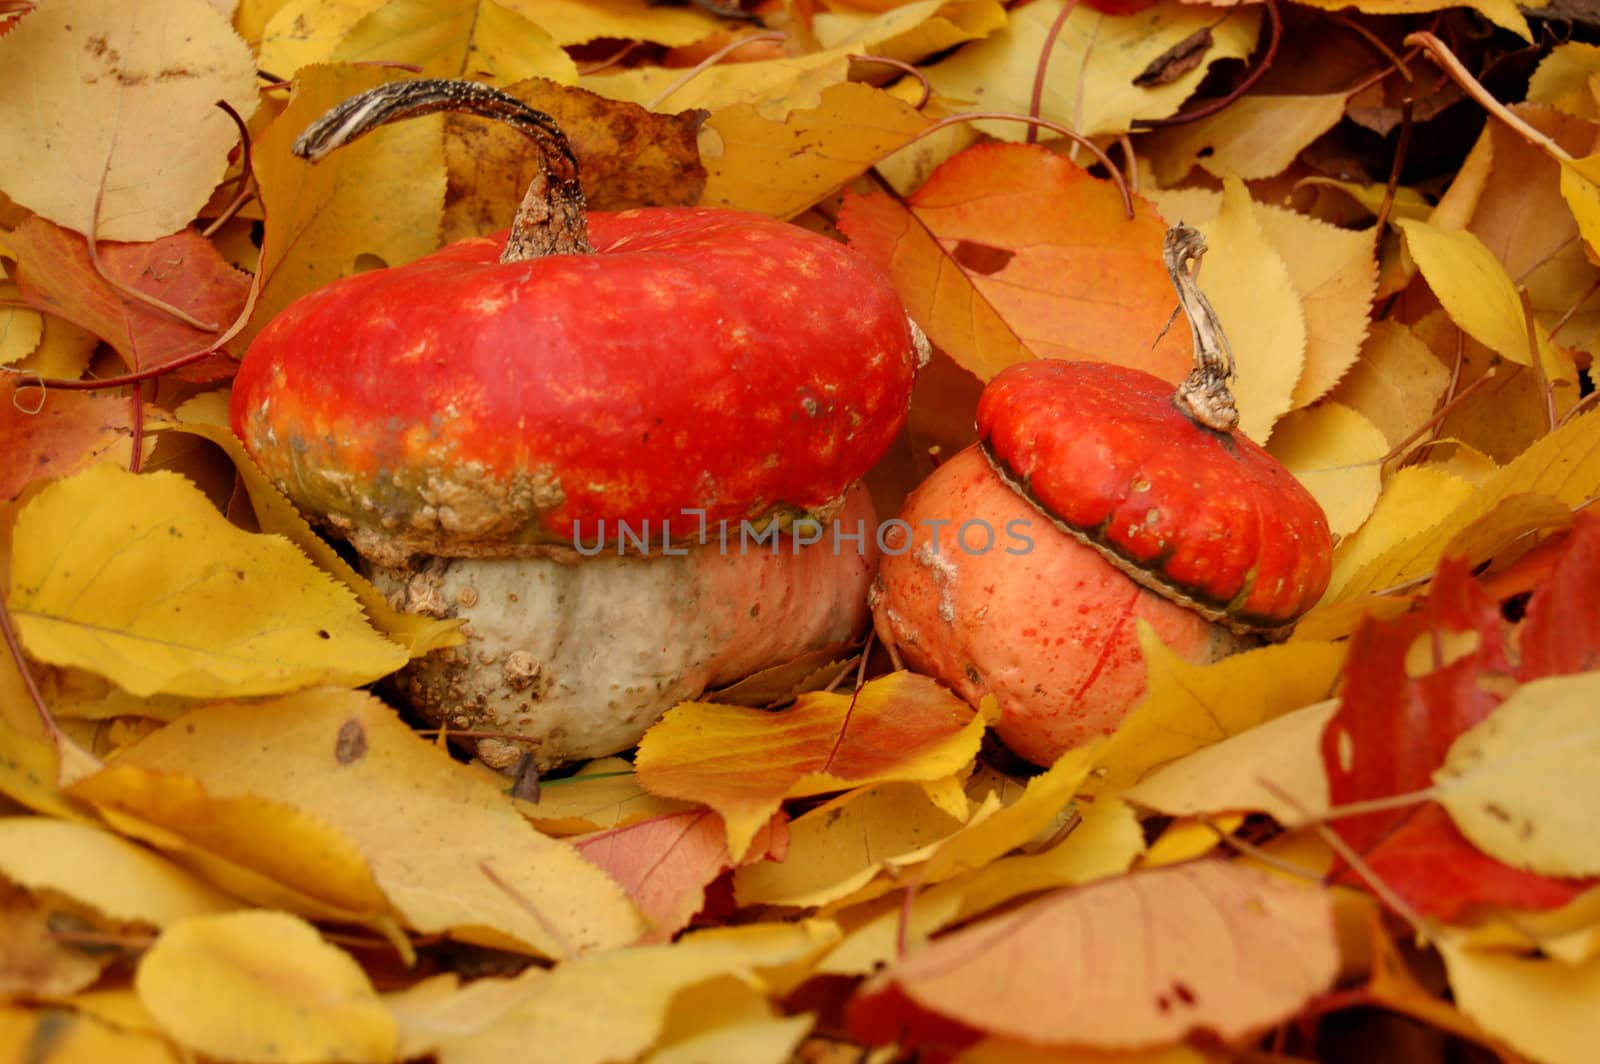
904	67
615	58
1573	310
1251	850
246	173
1377	45
1537	360
14	645
1055	127
1438	416
710	61
1390	190
1355	861
1044	64
127	289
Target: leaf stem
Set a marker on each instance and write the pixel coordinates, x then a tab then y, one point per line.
1044	64
1204	394
551	219
707	63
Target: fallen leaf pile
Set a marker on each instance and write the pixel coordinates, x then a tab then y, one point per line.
1371	840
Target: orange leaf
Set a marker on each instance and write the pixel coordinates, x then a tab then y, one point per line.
666	862
1137	961
183	270
745	762
1026	243
55	434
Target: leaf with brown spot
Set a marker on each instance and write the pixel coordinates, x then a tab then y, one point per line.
54	434
1149	944
1176	61
1008	252
182	270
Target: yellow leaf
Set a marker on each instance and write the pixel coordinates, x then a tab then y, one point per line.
1285	751
139	579
59	1036
21	329
445	846
1410	504
1104	843
124	90
979	843
263	986
614	1005
744	762
1502	13
64	352
1561	80
477	39
910	32
839	847
1565	464
1396	381
581	21
1475	289
782	167
1187	707
264	851
275	513
1539	1007
123	882
1254	295
1336	453
1580	187
1089	83
1186	840
1254	137
302	32
1332	269
725	1019
1496	781
602	795
773	86
380	197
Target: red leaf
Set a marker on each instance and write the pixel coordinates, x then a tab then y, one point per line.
184	270
1431	865
1393	729
666	862
1561	634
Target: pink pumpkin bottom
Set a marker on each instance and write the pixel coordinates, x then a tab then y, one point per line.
1040	621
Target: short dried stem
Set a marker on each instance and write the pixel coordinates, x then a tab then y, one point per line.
551	219
1204	394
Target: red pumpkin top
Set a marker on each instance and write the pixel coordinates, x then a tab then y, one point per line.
698	360
1205	517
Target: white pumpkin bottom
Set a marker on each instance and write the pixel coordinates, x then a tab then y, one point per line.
581	656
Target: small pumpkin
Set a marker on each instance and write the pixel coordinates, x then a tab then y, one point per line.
1124	501
630	384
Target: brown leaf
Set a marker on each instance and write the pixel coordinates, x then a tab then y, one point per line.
1126	963
183	270
627	157
1176	61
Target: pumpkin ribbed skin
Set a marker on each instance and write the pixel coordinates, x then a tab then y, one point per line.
699	360
1207	517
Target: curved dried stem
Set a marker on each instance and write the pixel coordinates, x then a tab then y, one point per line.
551	219
1204	394
904	67
1044	64
127	289
707	63
246	173
1055	127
